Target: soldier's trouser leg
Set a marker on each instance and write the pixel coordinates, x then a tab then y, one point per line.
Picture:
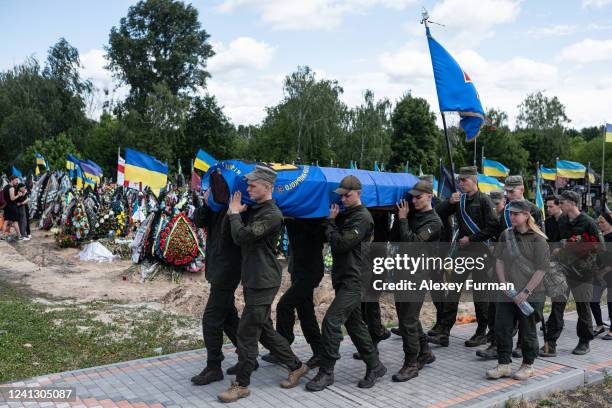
583	293
371	315
507	314
410	327
451	303
481	302
555	322
491	319
346	309
256	326
220	315
299	297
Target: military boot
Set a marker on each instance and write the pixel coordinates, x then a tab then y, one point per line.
439	338
294	376
425	357
582	348
549	349
207	376
234	393
407	372
478	339
314	361
322	380
502	370
490	353
524	372
435	330
372	374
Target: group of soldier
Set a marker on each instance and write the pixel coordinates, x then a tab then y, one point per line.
241	248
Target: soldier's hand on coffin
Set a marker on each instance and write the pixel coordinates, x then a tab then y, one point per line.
464	241
205	197
454	199
403	209
333	211
235	205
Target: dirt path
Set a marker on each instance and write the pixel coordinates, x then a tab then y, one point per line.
44	268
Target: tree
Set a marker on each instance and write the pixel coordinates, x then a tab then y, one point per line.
54	150
309	124
540	128
415	135
538	111
369	137
159	41
40	103
208	128
501	145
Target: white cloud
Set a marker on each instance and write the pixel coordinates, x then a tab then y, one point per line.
587	51
310	14
93	63
242	53
596	3
475	14
554	31
406	64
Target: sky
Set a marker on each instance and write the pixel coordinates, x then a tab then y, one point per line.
509	48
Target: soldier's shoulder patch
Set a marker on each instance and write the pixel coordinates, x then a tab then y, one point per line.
425	234
259	228
351	234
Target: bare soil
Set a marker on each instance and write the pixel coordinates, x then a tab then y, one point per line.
44	268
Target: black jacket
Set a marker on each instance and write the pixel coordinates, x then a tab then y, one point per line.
306	239
345	235
257	237
421	226
482	211
223	257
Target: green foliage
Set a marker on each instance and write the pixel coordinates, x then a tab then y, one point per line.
502	145
39	104
369	137
415	135
307	125
159	41
54	150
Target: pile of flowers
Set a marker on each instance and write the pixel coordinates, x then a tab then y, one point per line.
105	223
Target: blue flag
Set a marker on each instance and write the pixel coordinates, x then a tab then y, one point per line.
456	91
16	172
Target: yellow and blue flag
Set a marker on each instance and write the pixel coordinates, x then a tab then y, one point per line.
204	161
90	174
494	168
145	169
486	184
40	161
71	165
570	169
608	133
548	173
456	91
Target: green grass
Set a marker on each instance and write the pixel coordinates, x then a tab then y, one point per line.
37	339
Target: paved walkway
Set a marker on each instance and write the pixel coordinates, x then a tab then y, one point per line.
455	379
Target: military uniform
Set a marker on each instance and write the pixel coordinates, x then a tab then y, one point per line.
422	226
345	235
371	310
580	281
481	210
261	278
222	271
306	239
534	250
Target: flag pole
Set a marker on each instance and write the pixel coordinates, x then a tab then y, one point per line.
588	178
475	150
603	168
449	151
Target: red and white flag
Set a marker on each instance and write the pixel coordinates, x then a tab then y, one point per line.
121	181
